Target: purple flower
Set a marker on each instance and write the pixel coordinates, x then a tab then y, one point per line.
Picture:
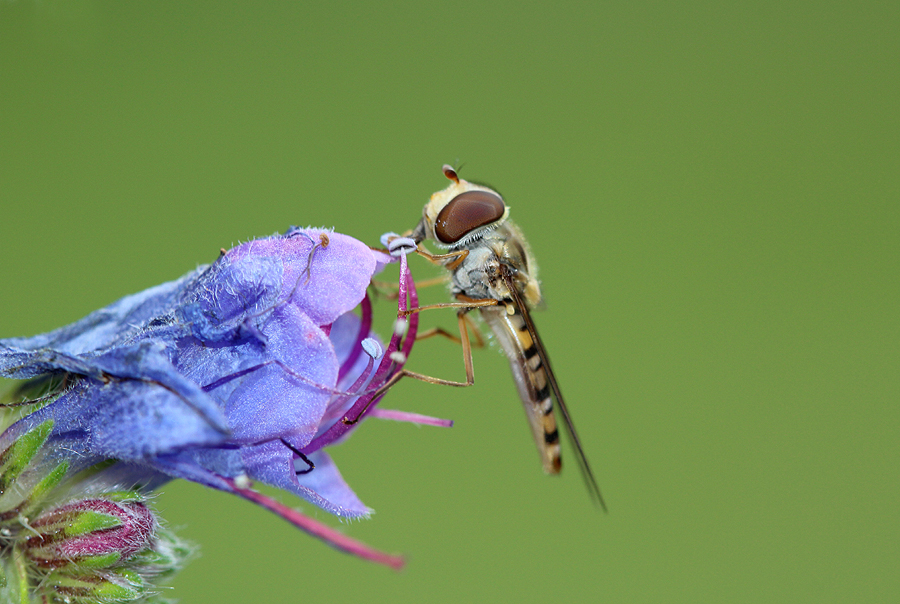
241	370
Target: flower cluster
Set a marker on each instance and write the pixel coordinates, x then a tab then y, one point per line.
240	371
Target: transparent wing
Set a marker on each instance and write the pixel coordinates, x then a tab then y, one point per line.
544	364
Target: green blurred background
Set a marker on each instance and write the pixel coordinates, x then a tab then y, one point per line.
712	194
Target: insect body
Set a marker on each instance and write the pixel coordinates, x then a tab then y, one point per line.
492	269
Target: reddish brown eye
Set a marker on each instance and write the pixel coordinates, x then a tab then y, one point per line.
467	212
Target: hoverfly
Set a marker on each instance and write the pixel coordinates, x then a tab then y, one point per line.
492	269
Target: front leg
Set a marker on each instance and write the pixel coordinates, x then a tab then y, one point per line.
449	261
467	362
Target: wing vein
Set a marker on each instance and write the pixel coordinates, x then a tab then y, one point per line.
593	488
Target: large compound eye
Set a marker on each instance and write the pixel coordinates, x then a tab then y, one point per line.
467	212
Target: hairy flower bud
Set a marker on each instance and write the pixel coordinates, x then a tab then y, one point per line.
90	533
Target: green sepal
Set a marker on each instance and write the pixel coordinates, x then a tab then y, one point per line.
89	521
167	556
99	561
48	482
19	454
87	473
124	496
90	588
127	586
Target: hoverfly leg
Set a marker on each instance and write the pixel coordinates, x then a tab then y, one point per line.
466	346
468	305
449	261
439	331
390	291
467	360
442	280
463	321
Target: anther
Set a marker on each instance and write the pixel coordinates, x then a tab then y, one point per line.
372	348
401	246
385	239
400	327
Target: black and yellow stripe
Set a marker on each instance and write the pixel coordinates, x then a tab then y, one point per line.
528	366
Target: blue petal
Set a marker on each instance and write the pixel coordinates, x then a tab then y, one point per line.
103	327
130	420
273	463
284	387
201	377
324	282
18	363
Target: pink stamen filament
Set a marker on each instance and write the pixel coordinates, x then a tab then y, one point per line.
320	531
336	406
339	428
413	418
365	326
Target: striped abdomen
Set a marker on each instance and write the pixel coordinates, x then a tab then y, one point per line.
530	374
